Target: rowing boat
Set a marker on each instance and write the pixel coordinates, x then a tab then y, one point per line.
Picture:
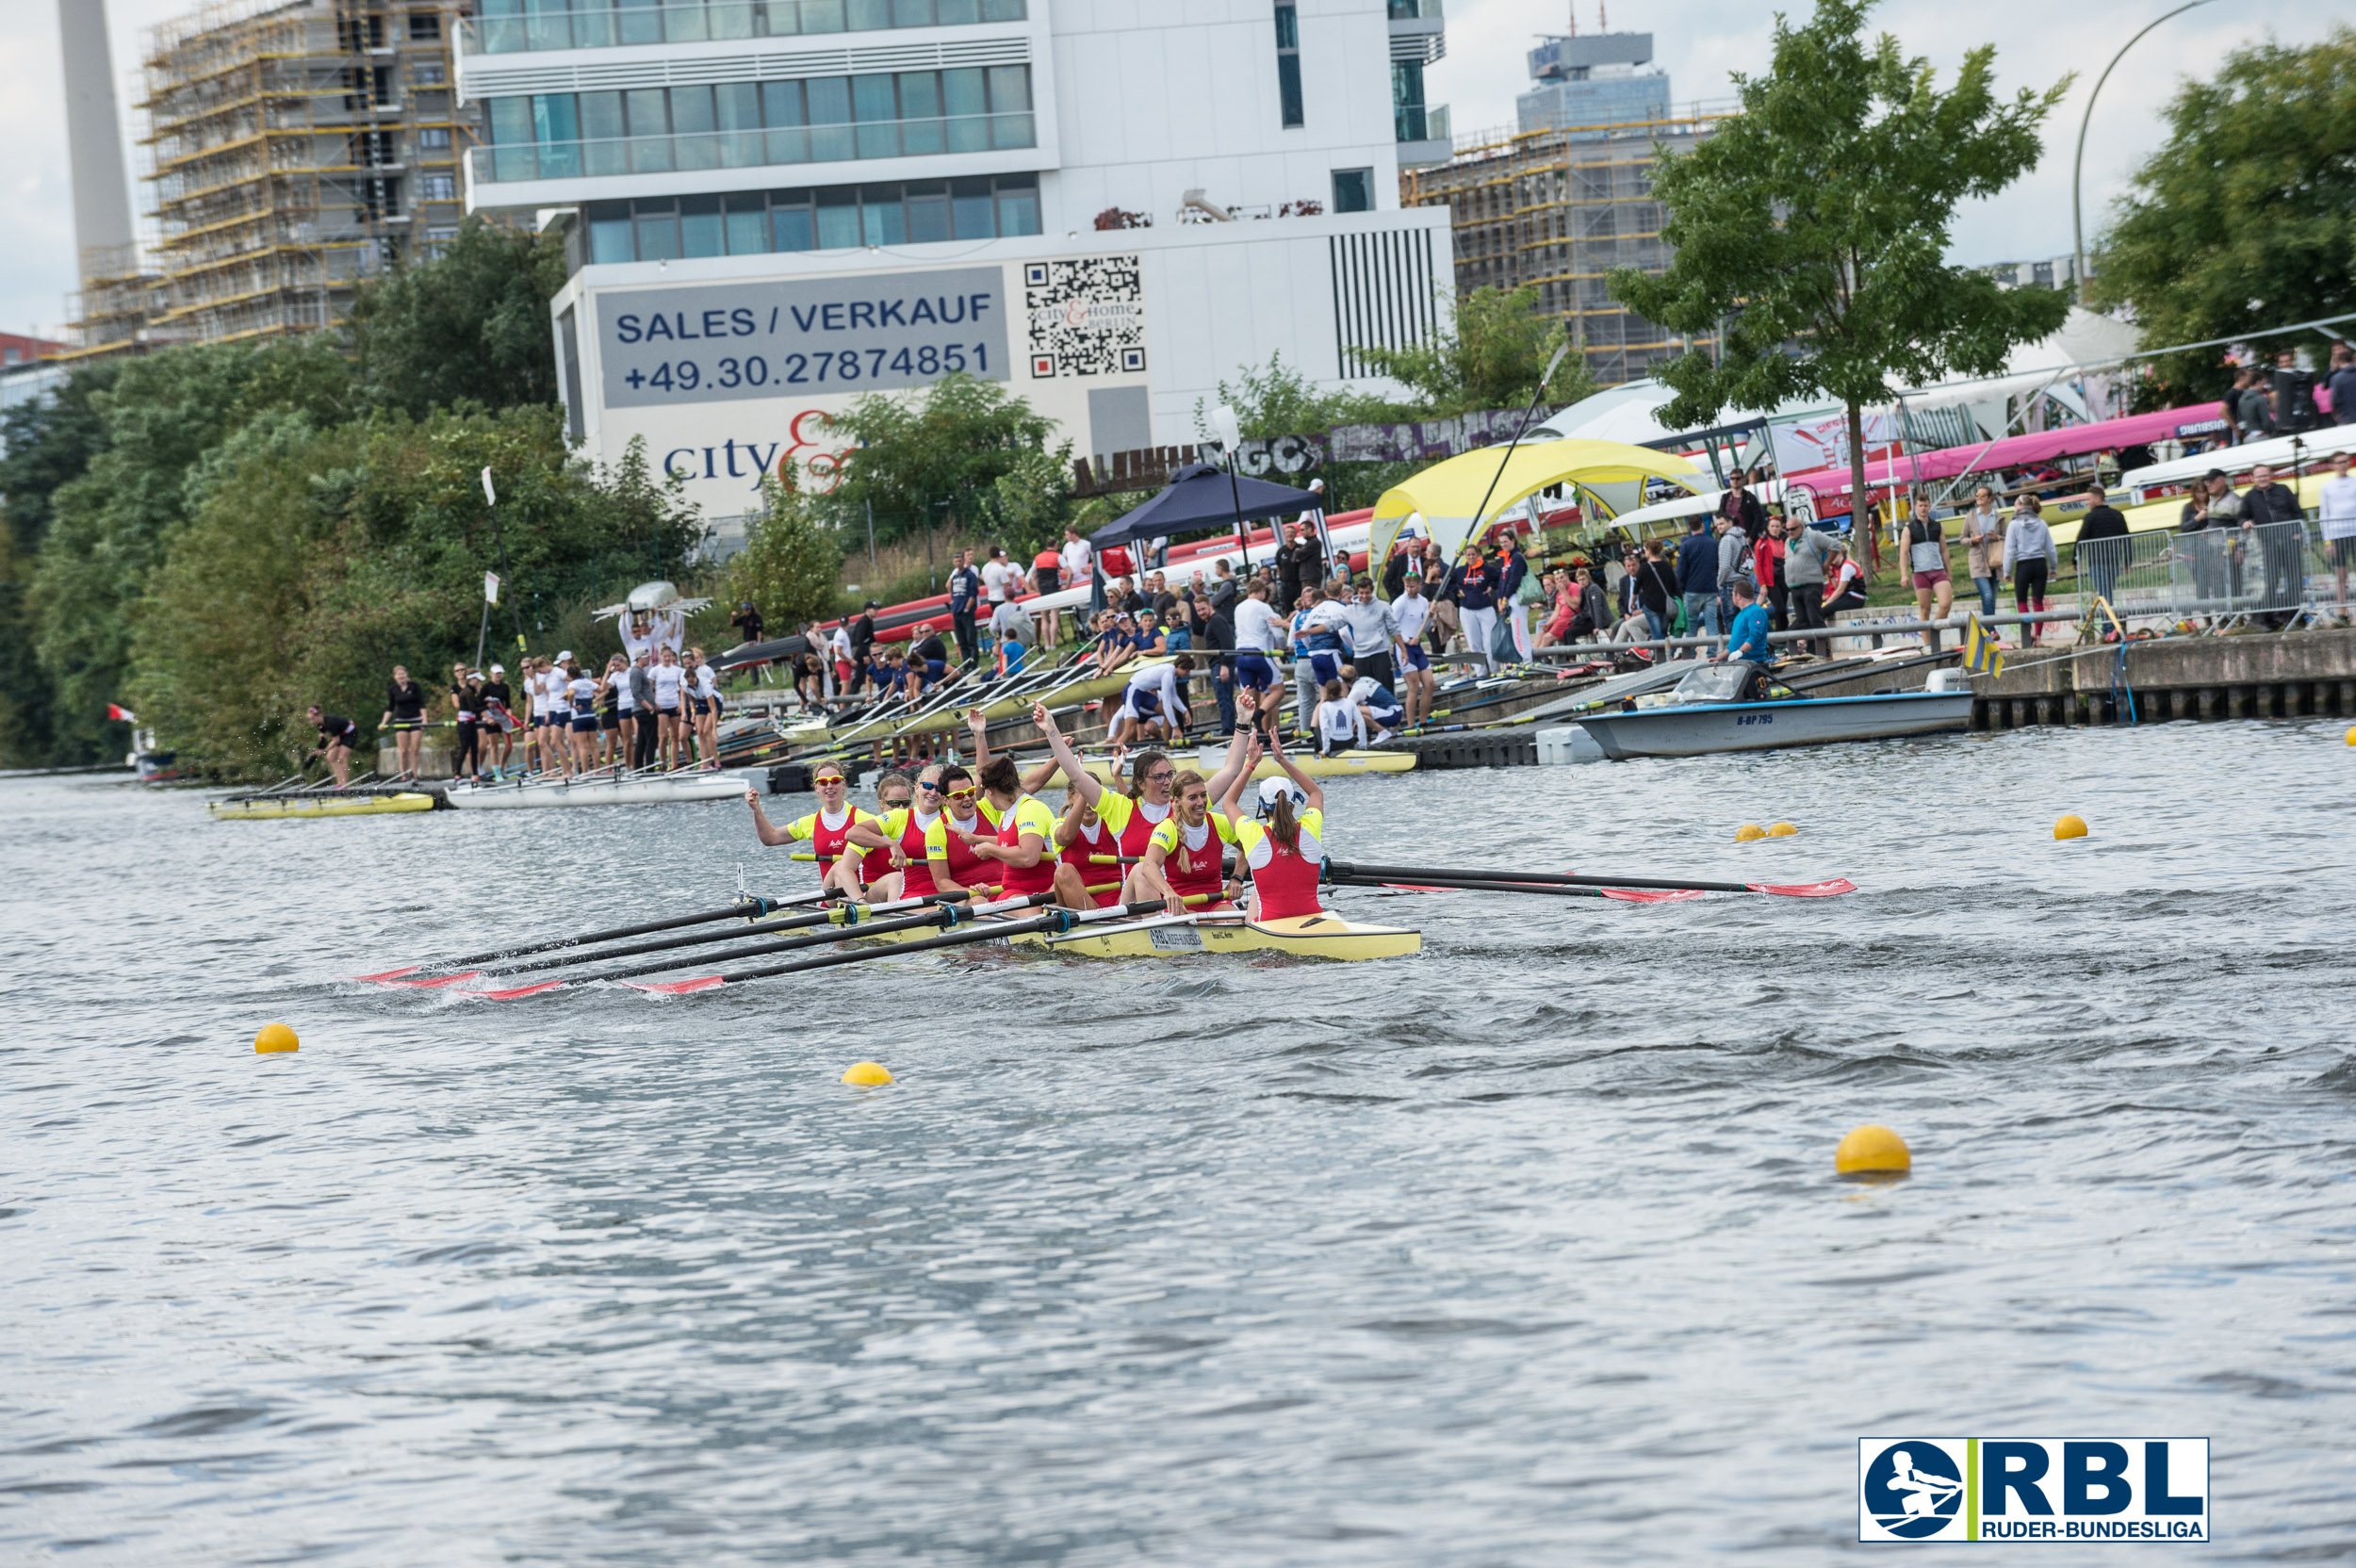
599	789
951	716
317	805
1319	936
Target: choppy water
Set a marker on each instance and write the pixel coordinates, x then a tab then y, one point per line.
1525	1251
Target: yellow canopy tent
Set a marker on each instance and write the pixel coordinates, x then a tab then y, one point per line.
1447	493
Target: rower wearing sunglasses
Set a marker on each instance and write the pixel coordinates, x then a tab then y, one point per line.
899	837
827	829
1185	859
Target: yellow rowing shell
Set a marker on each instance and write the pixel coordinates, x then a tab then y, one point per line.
1086	689
1342	764
318	806
1318	936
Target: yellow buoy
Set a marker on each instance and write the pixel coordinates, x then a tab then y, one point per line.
1748	831
2351	735
1870	1150
275	1037
2071	827
867	1075
1781	830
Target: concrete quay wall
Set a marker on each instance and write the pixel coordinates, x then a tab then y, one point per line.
2266	674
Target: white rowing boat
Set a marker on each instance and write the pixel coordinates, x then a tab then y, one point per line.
602	788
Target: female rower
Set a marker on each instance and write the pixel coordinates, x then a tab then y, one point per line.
704	698
1025	843
339	738
612	746
498	722
670	691
951	842
1088	846
466	703
556	743
1338	725
1185	862
1285	855
827	829
1132	817
580	690
404	711
900	835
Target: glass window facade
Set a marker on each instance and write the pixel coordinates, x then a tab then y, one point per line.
830	218
1354	190
1288	65
553	136
507	27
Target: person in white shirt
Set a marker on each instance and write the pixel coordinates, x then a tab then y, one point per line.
842	669
1079	567
1374	702
998	577
703	703
1410	613
1338	724
1259	631
2338	517
670	710
1152	707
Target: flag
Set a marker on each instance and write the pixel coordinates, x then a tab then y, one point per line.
490	587
1979	650
114	711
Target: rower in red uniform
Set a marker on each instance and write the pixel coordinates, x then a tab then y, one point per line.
827	829
1088	847
1185	860
949	843
898	838
1283	848
1130	816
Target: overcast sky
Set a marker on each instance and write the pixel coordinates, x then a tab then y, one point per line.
1697	41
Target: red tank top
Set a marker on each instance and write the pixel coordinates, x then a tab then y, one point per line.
967	869
1021	881
1136	831
917	880
828	842
1287	884
1189	872
1075	854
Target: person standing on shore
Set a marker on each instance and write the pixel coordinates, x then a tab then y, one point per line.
1697	577
1806	552
965	593
1410	613
648	734
404	715
1373	631
1924	538
2101	552
2338	517
1767	572
1984	545
499	721
466	706
2282	549
2030	560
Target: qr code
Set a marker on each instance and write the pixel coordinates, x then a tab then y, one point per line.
1087	317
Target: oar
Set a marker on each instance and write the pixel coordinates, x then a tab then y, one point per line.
1624	895
851	930
1440	873
735	911
840	915
1054	919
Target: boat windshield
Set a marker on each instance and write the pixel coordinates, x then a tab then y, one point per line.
1731	682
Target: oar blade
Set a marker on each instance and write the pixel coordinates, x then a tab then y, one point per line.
513	992
430	982
1653	895
676	988
387	977
1833	889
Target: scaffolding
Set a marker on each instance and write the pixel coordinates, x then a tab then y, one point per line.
1560	209
294	149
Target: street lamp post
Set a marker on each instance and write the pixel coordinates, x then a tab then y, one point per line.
2077	165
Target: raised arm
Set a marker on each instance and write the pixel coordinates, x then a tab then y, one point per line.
1233	768
1230	799
1308	785
771	836
1082	780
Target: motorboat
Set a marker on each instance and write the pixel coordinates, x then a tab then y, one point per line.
1741	706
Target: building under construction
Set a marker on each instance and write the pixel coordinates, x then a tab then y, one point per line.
295	148
1560	208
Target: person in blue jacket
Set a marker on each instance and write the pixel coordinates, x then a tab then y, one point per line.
1746	641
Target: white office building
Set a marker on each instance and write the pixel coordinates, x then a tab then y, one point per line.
773	206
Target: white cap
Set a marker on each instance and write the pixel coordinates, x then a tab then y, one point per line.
1274	790
564	656
1317	484
499	669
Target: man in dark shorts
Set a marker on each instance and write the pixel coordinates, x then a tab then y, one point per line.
339	739
930	655
499	721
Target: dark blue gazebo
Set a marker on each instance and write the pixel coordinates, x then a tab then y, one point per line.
1201	499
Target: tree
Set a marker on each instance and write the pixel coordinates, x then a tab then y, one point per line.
1488	354
1277	399
949	442
788	566
44	443
2246	219
1811	230
470	324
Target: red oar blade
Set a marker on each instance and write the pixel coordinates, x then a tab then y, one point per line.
1653	895
388	976
434	980
675	987
512	992
1833	889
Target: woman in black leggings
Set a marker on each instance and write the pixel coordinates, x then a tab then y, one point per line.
465	701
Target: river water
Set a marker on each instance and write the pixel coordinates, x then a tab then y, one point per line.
1527	1251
